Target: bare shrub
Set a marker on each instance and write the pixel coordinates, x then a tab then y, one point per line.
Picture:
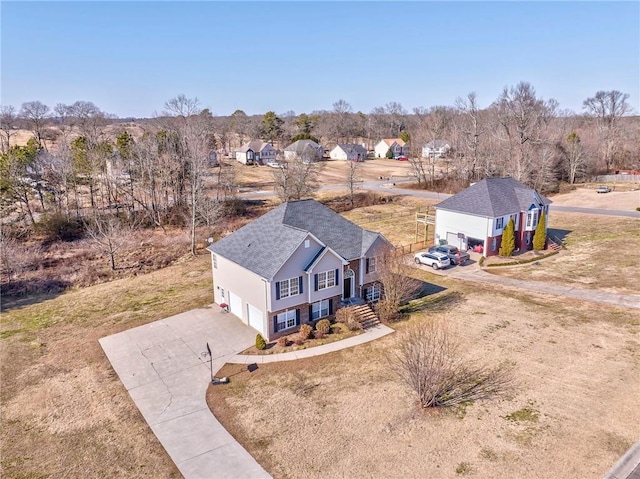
349	318
323	326
318	334
283	342
305	331
429	360
398	287
299	341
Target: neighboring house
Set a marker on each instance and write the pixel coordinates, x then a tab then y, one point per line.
479	214
213	158
435	149
307	150
348	151
256	151
397	146
294	265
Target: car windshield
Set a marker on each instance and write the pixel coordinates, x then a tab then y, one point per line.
454	250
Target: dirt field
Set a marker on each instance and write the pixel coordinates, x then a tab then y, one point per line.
621	198
346	414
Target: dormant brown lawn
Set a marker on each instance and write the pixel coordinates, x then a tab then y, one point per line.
574	412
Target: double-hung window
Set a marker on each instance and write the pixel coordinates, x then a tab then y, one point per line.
289	287
373	264
499	223
320	309
326	279
286	320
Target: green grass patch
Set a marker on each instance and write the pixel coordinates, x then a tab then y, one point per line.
526	414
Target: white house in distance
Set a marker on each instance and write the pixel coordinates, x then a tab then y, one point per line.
307	150
296	264
256	151
478	215
348	151
398	147
435	149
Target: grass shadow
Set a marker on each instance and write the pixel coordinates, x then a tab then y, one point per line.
558	233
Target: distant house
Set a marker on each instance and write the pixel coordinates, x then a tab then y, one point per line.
296	264
397	146
479	214
348	151
256	151
307	150
213	158
435	149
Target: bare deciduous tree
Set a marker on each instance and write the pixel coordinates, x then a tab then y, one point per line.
398	287
110	235
8	120
429	360
296	179
608	107
353	178
36	115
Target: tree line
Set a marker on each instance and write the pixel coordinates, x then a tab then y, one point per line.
81	161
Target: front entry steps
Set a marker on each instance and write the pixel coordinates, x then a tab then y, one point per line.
366	316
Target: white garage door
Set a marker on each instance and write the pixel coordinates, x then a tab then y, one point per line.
235	304
256	320
452	239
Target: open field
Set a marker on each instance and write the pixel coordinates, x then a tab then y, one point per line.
64	411
622	198
602	253
574	411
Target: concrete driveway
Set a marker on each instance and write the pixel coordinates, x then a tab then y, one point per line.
166	370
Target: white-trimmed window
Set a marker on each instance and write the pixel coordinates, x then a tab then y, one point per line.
214	258
374	292
289	287
532	218
494	244
286	320
320	309
326	279
373	264
499	223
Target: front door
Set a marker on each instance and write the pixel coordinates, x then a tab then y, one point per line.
346	294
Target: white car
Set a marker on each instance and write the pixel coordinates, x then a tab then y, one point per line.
434	259
274	164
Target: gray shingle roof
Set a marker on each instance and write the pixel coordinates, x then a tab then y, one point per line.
265	244
353	147
301	146
255	145
494	197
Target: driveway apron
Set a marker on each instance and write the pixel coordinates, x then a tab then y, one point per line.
166	369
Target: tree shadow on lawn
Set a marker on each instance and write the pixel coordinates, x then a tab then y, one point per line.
427	299
22	293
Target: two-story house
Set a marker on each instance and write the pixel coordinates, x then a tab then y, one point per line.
349	152
295	265
435	149
306	150
256	151
479	214
397	146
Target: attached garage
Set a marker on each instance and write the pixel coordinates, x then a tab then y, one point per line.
457	239
256	319
235	305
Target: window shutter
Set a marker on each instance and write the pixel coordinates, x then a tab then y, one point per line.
315	281
300	284
298	317
366	266
310	313
337	276
331	306
275	324
278	290
364	293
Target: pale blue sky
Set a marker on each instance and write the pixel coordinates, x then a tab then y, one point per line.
130	57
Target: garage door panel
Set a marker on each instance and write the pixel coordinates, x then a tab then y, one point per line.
256	318
235	304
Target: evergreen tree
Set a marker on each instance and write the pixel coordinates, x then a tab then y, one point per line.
540	236
389	154
260	342
508	245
